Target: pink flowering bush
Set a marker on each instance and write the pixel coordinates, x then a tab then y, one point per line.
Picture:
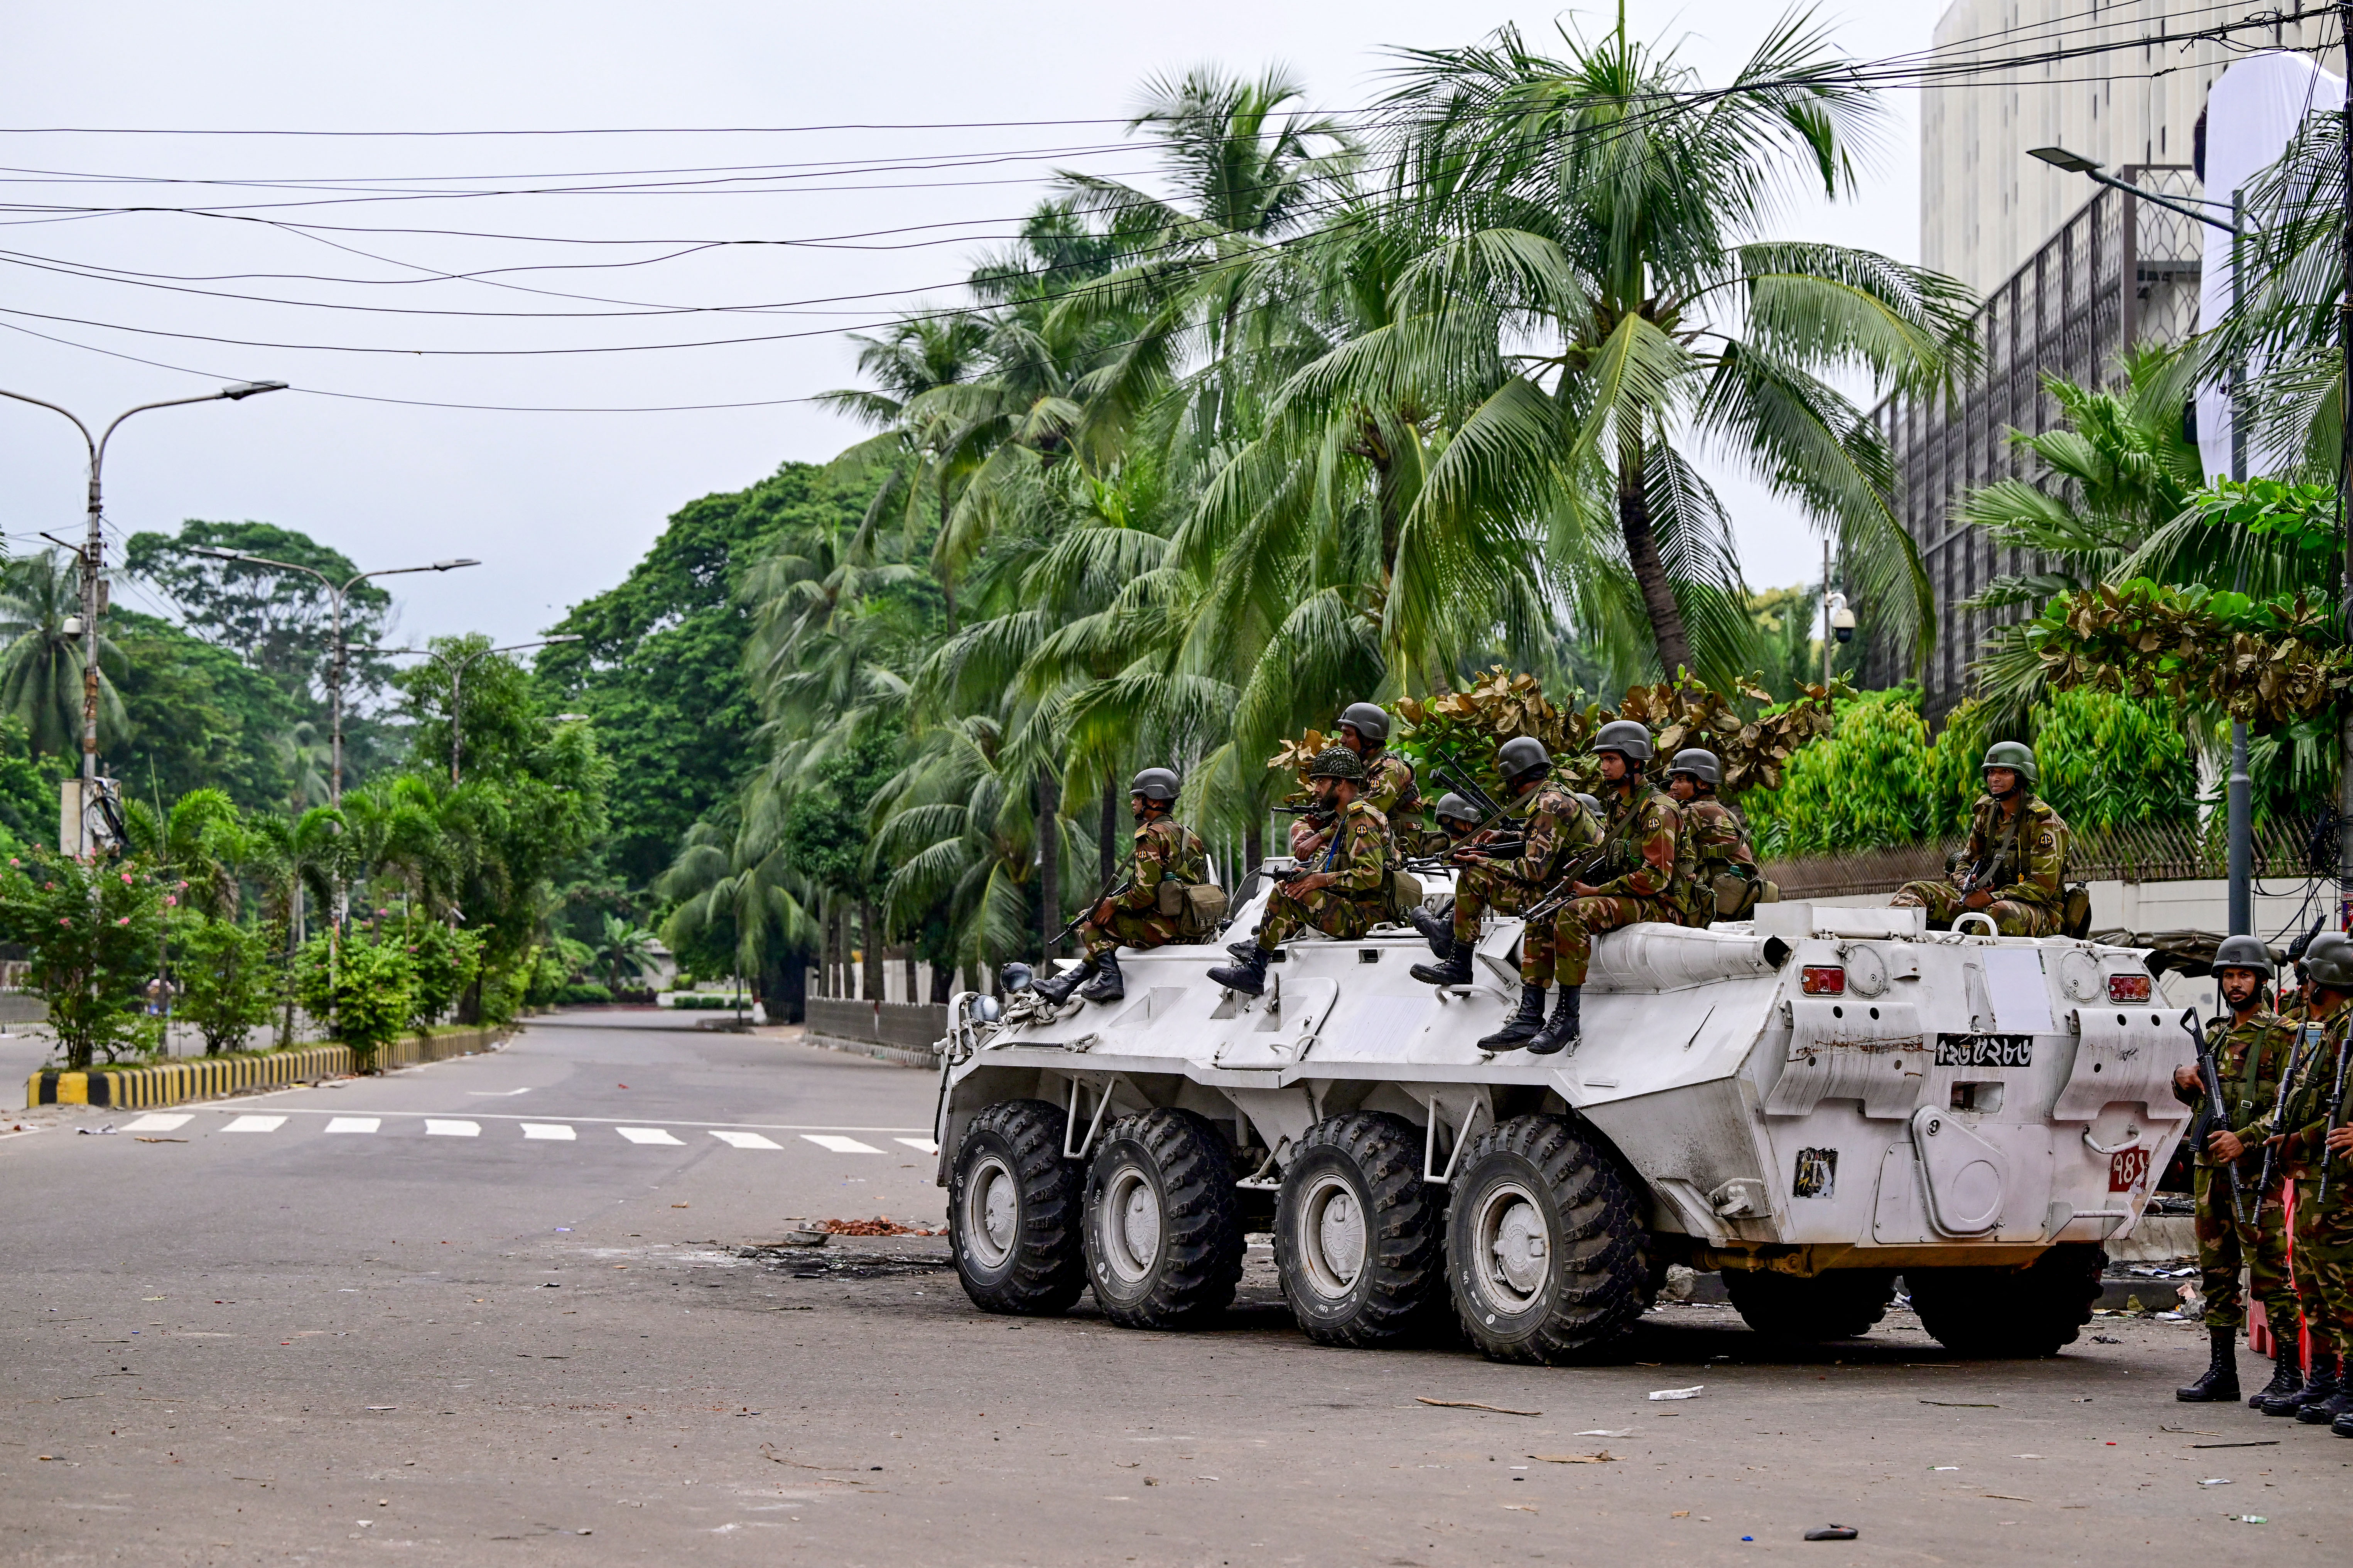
92	929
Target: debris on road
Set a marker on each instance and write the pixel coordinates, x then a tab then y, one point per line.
881	1225
1473	1405
1950	1404
1691	1392
1603	1457
1601	1432
1832	1532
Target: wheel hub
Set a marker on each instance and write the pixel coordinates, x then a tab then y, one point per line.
1331	1221
1513	1246
992	1212
1131	1224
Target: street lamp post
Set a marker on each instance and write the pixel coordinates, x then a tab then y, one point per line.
93	555
336	594
2239	794
458	677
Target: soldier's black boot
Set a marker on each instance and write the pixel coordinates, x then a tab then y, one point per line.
1107	985
1565	1028
1438	932
2323	1412
1455	971
2319	1383
1249	977
2287	1369
1521	1027
1243	948
1058	990
2221	1380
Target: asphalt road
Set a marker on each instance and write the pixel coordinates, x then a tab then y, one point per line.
257	1335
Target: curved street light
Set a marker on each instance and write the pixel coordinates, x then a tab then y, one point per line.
457	676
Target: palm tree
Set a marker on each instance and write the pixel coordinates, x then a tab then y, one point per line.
41	665
1596	297
624	952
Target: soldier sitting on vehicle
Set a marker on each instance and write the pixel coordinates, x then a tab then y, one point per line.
1558	830
1645	863
1456	819
1168	853
1341	894
1724	880
1389	786
2014	870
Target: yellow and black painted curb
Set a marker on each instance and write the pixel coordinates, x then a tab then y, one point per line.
170	1083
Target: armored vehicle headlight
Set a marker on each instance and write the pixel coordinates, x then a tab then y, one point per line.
1823	980
2129	987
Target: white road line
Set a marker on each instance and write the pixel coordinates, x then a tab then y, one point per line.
354	1124
645	1135
747	1141
225	1105
256	1124
840	1145
158	1124
433	1128
920	1145
556	1130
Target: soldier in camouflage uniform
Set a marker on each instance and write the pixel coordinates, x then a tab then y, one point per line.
1389	786
1342	893
1717	838
1645	862
1558	831
2323	1227
1457	818
2242	1226
2017	854
1167	852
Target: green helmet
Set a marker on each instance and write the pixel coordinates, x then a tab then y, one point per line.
2329	960
1337	762
2015	756
1628	737
2244	953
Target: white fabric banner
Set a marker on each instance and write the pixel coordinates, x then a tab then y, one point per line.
2253	112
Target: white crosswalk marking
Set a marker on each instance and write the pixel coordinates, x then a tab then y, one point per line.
256	1124
435	1129
556	1131
158	1124
354	1124
745	1141
833	1143
645	1135
920	1145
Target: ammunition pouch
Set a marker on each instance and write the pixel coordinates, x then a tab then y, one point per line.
1737	894
1204	909
2075	910
1169	899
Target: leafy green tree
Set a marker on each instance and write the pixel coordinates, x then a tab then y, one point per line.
2107	761
229	977
624	953
41	665
195	716
92	930
1864	786
277	622
362	988
444	962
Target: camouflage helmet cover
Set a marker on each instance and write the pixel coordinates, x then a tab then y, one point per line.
2015	756
1367	720
2244	953
1155	784
1628	737
1337	762
1700	763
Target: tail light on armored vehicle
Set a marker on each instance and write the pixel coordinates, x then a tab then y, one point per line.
1823	980
2129	987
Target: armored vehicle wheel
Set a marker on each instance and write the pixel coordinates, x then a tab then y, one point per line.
1013	1212
1543	1248
1844	1304
1163	1242
2032	1311
1356	1233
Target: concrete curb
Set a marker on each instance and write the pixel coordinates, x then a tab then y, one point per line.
897	1055
205	1077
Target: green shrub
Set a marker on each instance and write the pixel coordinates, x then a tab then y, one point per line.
2107	761
92	929
362	988
443	961
1866	783
582	993
230	979
708	1004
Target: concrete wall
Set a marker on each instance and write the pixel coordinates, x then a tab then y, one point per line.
898	1032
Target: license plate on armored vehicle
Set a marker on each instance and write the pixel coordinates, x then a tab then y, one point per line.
1985	1051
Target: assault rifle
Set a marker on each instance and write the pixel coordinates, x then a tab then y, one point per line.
1989	869
2210	1080
1111	889
1575	872
2290	1070
2336	1106
1455	775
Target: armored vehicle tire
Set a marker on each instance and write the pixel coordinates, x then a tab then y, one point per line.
1844	1304
1164	1241
1356	1233
1013	1212
2032	1311
1543	1248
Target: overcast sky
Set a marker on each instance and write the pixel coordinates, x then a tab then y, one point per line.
559	505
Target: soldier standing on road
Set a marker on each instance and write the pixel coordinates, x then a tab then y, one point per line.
1718	837
2016	861
1342	895
1645	861
1167	853
2244	1226
1558	830
2324	1230
1389	786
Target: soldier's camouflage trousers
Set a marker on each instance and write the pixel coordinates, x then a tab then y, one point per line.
1144	929
2225	1246
1327	910
2324	1262
1943	902
1483	888
1581	920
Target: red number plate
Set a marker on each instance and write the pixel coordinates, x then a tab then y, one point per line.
2127	1169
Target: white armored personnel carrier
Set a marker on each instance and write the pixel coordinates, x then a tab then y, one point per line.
1813	1104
